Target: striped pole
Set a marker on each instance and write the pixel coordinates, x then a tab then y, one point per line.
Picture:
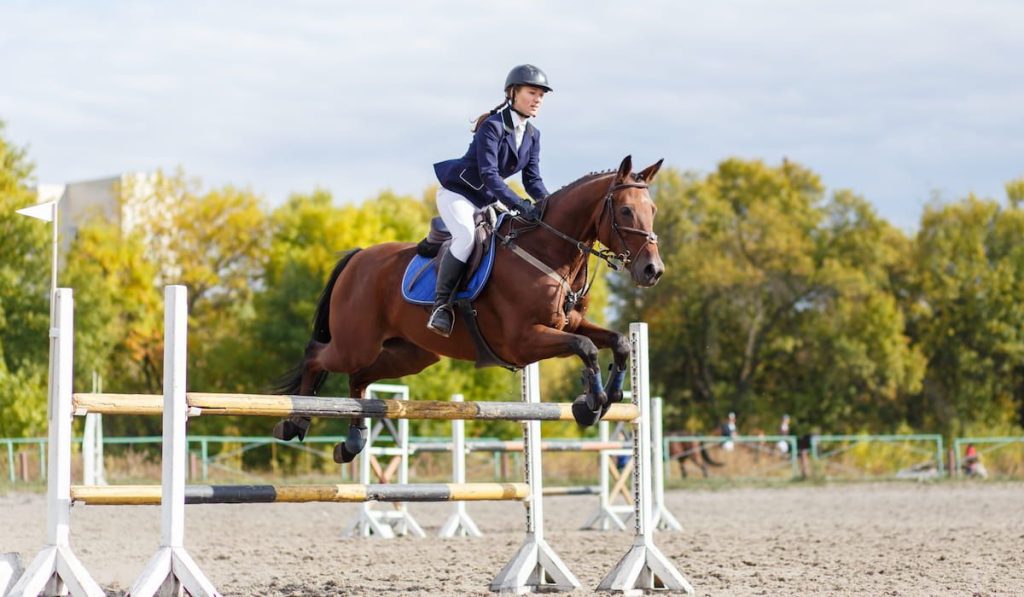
139	495
261	405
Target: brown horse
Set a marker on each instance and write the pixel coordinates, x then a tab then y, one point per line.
690	450
365	328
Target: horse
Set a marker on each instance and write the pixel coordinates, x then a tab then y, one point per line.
533	307
690	450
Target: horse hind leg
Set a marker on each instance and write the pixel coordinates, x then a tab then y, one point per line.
399	358
307	380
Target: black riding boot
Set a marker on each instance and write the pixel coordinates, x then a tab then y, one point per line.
449	272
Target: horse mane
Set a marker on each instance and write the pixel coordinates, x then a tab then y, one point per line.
578	182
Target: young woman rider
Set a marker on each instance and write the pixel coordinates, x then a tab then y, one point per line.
504	142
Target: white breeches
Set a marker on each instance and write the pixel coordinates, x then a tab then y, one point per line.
457	213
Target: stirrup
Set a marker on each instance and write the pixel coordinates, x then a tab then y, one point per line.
439	328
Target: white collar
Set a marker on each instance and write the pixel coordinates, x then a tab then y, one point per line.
517	120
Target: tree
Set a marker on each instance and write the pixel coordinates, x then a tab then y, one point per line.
966	313
24	299
763	274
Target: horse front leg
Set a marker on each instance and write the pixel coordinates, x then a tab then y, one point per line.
542	342
619	344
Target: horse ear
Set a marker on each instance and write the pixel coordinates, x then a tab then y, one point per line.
648	173
625	168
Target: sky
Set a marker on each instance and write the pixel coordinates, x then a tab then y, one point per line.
902	102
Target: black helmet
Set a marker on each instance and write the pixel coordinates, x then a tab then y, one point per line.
527	74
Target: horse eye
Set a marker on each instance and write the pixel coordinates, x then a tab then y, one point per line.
626	211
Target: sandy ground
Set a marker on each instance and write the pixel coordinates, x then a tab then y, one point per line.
859	539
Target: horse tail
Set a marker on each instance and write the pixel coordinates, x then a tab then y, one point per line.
291	381
321	331
707	457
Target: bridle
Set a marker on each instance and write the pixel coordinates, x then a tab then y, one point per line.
615	261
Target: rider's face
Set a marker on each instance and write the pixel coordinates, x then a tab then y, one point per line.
528	100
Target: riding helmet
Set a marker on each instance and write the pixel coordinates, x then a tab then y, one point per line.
527	74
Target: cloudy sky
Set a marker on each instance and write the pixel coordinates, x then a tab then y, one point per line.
900	101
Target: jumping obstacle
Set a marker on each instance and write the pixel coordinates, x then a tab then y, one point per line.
534	567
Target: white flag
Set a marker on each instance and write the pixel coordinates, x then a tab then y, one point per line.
41	211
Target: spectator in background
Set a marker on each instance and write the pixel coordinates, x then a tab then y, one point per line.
729	432
972	465
783	445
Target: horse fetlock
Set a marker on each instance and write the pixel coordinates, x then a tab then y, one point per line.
347	450
613	388
592	389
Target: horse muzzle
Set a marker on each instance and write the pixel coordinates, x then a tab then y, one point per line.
647	270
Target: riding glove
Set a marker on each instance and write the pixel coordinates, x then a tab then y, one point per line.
528	211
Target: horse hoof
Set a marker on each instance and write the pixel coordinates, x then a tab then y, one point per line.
285	430
596	400
613	397
343	454
584	415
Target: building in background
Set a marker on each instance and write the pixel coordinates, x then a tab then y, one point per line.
125	200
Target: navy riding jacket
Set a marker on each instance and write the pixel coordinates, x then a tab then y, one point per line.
492	157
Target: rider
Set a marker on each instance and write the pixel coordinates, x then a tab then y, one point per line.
503	143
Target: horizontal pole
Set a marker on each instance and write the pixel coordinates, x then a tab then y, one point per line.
577	490
140	495
517	446
343	408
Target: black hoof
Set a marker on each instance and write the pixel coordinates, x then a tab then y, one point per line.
352	446
343	454
286	430
585	415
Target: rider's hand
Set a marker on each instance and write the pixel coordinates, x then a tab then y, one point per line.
528	211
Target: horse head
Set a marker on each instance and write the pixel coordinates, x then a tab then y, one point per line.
626	224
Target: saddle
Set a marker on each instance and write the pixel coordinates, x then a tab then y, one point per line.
439	237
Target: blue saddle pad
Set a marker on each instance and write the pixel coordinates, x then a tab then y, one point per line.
420	278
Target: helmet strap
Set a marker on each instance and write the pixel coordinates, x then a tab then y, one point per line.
511	94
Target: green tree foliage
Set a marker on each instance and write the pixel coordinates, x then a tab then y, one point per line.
775	299
24	298
966	312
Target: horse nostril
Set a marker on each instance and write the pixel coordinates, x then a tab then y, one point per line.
653	272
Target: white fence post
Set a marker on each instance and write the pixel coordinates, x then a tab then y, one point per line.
172	568
663	519
459	523
56	568
535	566
644	566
